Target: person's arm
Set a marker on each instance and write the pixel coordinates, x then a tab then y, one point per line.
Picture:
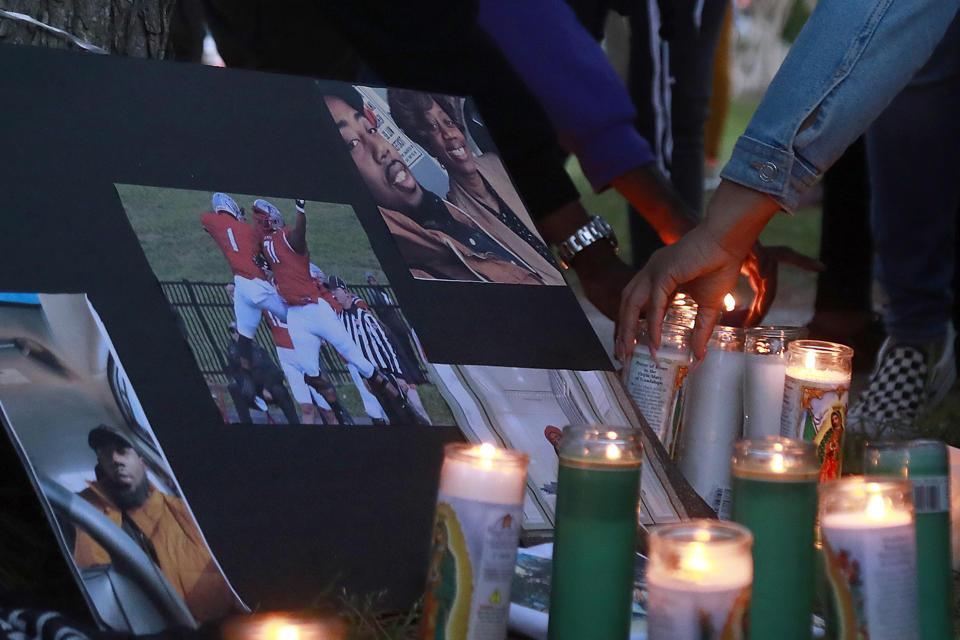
298	235
850	60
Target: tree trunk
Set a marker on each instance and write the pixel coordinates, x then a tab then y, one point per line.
137	28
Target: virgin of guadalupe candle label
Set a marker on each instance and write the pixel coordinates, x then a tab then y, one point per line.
471	566
816	411
708	615
872	578
657	388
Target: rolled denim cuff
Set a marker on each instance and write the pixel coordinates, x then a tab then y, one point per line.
612	153
776	172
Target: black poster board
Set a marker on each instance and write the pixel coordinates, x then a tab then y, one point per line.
288	511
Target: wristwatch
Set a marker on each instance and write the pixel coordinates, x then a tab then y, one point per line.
596	229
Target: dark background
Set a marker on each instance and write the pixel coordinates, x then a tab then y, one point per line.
289	511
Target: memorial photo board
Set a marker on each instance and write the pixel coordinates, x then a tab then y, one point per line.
113	164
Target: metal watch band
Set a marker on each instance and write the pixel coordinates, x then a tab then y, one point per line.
596	229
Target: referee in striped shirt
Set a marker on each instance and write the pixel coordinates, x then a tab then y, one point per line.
365	330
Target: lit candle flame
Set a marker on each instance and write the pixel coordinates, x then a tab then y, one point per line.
611	435
876	508
777	446
696	558
777	463
729	302
810	362
487	450
288	632
613	452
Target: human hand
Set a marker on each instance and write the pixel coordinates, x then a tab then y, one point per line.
761	268
603	276
706	270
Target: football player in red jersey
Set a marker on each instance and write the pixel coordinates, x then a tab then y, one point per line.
312	312
240	245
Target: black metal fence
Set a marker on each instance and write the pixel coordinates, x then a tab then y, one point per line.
205	310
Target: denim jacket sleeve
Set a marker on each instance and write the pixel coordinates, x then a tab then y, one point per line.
850	60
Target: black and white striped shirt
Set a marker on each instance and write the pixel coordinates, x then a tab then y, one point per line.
366	333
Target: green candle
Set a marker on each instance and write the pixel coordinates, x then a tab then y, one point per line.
925	464
598	490
775	496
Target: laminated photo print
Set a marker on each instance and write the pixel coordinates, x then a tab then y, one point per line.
120	516
287	309
442	190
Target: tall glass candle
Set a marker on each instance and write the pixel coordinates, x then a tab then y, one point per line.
815	395
594	547
712	418
775	496
657	384
475	536
869	547
764	374
698	581
278	625
925	464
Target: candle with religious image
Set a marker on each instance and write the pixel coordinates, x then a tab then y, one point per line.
764	375
869	549
475	535
815	395
594	548
698	581
713	417
925	464
775	496
656	382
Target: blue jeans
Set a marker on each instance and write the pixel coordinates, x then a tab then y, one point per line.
913	154
849	61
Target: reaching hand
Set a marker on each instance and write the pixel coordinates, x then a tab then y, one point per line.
760	268
707	272
603	276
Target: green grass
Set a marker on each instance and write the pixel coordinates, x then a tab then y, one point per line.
167	222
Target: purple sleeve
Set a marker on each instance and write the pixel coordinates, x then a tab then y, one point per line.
570	75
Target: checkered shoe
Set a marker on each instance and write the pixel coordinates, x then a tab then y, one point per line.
906	380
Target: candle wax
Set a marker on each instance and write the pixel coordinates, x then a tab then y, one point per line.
594	551
780	510
763	395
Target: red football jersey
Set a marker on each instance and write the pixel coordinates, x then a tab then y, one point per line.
237	240
281	335
291	272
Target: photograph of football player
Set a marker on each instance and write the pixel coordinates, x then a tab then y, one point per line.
262	325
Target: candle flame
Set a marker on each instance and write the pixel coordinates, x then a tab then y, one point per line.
810	362
613	452
729	302
611	435
288	632
876	508
777	446
696	558
777	464
487	450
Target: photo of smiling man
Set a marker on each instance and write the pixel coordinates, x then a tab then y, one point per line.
437	239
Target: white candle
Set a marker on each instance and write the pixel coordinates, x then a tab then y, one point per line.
869	546
285	626
698	580
657	384
766	367
475	536
815	395
712	418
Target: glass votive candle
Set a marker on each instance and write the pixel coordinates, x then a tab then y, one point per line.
764	374
594	547
281	625
656	384
816	390
926	465
682	310
869	549
699	574
775	496
475	535
713	417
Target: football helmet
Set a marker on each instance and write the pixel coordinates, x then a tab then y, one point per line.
223	202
